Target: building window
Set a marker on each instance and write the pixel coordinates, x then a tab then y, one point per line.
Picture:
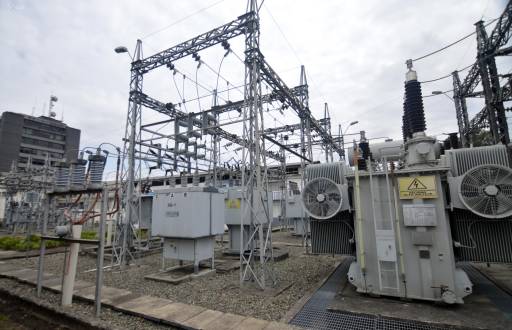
39	125
30	151
42	143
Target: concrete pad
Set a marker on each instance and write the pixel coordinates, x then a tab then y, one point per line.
7	254
201	320
251	323
476	312
47	283
16	274
122	299
225	321
177	313
107	293
6	267
79	285
226	265
177	275
32	278
144	306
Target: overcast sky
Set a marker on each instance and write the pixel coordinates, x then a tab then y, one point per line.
354	53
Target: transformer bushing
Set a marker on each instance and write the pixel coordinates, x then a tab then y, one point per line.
61	177
96	168
78	174
413	107
413	120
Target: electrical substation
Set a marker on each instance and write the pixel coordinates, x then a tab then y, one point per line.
219	214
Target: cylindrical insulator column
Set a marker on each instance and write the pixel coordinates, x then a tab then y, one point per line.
61	178
413	107
413	120
78	174
96	168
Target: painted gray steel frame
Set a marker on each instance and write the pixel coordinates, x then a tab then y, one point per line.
256	68
484	71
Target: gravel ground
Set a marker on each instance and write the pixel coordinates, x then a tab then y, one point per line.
109	319
219	291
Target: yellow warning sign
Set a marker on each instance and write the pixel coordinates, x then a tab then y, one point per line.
419	187
233	203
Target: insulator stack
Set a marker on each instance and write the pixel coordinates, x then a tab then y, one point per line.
78	174
365	150
414	115
61	177
413	120
405	126
96	168
454	140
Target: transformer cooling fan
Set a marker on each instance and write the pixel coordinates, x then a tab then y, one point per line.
321	198
486	190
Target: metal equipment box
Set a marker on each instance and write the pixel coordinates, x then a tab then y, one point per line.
189	249
234	203
187	212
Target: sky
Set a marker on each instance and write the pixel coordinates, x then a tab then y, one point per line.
354	53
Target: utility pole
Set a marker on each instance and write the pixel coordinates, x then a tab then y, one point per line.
461	111
131	197
255	205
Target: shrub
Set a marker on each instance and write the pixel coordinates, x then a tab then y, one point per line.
90	234
32	242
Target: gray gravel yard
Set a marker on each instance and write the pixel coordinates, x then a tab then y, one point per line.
218	291
109	319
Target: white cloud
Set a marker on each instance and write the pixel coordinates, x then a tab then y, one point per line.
354	53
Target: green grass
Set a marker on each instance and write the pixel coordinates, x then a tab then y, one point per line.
23	243
88	234
142	233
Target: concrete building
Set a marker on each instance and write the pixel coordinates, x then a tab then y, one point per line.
24	137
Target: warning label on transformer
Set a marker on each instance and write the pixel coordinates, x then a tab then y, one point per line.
419	187
233	203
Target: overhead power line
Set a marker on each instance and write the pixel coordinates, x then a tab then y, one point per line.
448	75
451	44
181	19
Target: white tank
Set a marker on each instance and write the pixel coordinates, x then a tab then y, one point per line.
390	149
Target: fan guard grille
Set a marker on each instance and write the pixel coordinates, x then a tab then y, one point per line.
486	190
322	198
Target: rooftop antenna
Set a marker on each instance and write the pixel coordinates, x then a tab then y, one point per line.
52	113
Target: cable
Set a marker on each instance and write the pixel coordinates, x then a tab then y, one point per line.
181	20
451	44
197	90
182	99
319	90
448	75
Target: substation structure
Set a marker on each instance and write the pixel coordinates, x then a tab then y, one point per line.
485	73
189	155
